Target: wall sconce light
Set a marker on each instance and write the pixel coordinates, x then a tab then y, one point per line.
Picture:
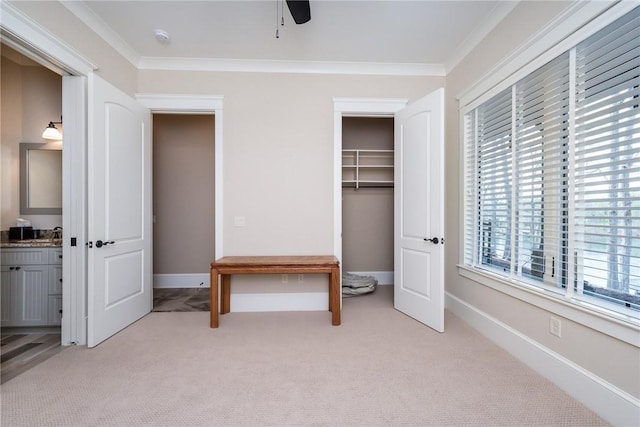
52	132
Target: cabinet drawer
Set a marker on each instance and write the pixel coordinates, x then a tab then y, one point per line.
55	256
25	256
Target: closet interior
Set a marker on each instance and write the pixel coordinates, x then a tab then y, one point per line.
367	197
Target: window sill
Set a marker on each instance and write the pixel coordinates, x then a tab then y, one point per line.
624	328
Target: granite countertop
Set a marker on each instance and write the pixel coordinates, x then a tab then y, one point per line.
33	243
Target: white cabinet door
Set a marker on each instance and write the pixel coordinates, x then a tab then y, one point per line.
7	283
55	279
25	287
32	295
55	310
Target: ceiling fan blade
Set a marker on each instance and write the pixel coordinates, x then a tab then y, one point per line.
300	10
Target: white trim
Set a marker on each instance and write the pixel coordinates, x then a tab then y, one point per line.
384	277
181	280
462	195
212	104
499	12
368	107
365	107
98	26
282	66
34	41
299	301
623	329
337	185
161	102
561	34
614	405
74	218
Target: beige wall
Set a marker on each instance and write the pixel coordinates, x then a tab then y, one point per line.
613	360
183	193
367	213
31	97
278	150
111	66
278	156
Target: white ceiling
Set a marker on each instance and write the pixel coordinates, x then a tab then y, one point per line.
418	32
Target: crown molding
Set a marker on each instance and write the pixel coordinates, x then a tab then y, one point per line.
34	41
97	25
497	14
282	66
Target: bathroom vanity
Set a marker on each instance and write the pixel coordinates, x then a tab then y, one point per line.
31	285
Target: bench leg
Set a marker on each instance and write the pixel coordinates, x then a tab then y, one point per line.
214	298
226	294
334	296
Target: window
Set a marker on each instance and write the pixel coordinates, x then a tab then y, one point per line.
552	174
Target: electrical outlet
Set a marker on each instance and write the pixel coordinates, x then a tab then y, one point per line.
300	278
285	278
554	326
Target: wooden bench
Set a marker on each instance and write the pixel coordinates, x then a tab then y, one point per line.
226	266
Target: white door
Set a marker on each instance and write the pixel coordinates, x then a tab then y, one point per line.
119	211
418	211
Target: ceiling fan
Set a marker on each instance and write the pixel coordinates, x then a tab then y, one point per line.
300	10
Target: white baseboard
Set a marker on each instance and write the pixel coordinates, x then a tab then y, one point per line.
293	301
384	277
181	280
614	405
203	280
300	301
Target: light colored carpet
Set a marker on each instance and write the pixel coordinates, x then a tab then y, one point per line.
293	368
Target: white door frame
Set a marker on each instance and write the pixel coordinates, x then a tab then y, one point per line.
198	104
352	107
32	40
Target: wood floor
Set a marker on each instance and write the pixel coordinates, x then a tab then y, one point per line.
181	299
22	350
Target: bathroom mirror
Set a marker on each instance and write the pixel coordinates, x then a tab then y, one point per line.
41	178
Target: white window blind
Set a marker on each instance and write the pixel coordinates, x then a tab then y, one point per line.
552	173
542	122
607	152
471	224
494	180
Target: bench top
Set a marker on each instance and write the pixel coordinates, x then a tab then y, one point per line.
276	261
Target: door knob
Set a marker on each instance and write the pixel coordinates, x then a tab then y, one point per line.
100	243
435	240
